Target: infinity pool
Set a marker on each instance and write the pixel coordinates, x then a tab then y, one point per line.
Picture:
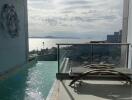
30	84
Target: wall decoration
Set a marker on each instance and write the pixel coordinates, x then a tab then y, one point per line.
9	20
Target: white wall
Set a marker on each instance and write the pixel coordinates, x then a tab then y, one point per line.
129	39
13	51
124	33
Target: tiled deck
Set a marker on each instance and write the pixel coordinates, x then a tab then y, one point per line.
95	90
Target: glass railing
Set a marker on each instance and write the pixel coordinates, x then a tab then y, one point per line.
76	58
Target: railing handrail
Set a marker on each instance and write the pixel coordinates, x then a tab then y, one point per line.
93	44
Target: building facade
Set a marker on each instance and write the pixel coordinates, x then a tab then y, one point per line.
115	38
13	34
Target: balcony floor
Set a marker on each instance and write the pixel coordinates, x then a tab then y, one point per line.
95	90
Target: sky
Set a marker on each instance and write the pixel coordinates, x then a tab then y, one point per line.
74	18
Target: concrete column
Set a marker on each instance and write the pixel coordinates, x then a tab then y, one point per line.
129	39
127	32
124	33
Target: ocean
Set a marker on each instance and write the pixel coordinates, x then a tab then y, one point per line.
37	43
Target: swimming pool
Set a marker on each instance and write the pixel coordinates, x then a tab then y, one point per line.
30	84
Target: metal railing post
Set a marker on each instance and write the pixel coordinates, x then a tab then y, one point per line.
127	55
58	57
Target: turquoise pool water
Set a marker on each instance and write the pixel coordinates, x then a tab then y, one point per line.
30	84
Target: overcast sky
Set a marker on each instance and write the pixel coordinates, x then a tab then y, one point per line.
80	18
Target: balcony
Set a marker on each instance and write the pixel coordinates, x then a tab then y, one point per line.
94	71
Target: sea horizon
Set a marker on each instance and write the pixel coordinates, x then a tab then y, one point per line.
37	43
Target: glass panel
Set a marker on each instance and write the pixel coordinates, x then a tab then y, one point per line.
76	58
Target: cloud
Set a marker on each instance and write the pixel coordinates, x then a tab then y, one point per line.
76	2
67	17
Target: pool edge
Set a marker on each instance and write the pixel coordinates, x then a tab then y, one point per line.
53	93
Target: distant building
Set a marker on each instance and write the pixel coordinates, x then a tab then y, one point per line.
115	38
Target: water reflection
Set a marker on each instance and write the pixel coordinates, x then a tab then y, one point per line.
33	83
14	87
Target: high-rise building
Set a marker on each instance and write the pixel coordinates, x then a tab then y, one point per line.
115	38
